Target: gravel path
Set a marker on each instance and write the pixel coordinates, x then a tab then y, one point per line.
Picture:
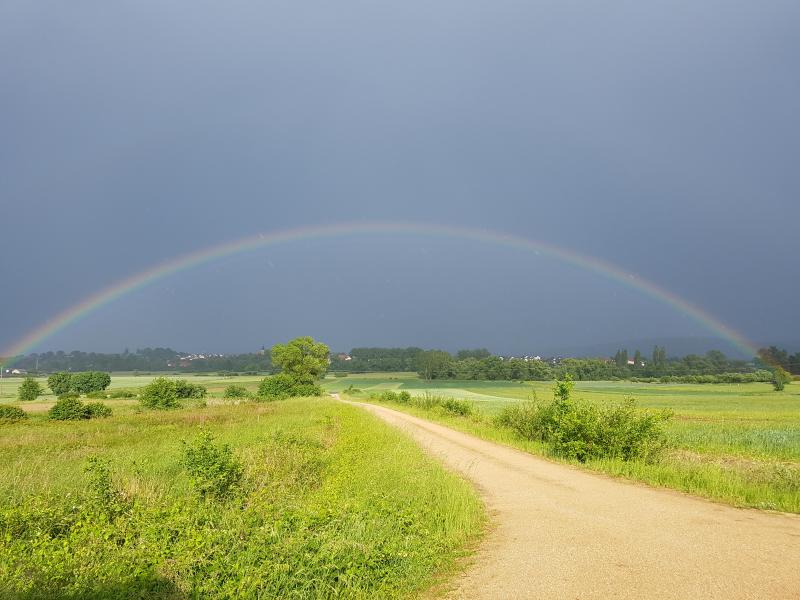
560	532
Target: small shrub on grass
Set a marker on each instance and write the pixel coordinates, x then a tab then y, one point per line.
282	386
214	471
10	414
102	497
388	396
780	378
29	389
460	408
427	401
235	391
184	389
122	394
582	431
404	397
68	409
161	393
97	410
97	395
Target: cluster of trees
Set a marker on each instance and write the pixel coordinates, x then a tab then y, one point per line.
146	359
778	357
80	383
371	360
303	362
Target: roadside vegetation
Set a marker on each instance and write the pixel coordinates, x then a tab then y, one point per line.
738	444
302	498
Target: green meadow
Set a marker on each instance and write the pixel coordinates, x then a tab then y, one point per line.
739	444
327	501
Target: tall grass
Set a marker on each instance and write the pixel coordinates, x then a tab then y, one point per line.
330	503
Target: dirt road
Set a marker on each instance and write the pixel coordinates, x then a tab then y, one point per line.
559	532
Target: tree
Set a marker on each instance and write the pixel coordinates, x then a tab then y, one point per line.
160	393
434	364
637	359
303	359
60	383
29	389
780	378
621	358
89	381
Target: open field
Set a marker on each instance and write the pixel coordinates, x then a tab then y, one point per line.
331	503
736	443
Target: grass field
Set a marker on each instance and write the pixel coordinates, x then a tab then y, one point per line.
333	503
736	443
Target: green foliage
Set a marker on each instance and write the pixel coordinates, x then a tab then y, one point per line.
60	383
235	391
780	378
68	395
161	393
461	408
404	397
582	431
97	410
121	394
302	359
283	385
214	471
186	390
29	389
98	395
102	496
89	381
9	414
68	409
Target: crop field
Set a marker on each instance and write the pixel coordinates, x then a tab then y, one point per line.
325	501
736	443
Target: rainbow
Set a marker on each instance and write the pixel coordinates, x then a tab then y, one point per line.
105	296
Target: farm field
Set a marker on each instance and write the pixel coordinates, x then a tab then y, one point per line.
332	502
735	443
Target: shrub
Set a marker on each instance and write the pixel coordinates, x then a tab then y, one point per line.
282	386
59	383
160	393
67	395
68	409
97	410
461	408
235	391
404	397
780	378
9	414
103	497
427	401
122	394
89	381
582	431
184	389
214	471
29	389
98	395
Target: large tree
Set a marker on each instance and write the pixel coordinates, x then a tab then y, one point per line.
303	359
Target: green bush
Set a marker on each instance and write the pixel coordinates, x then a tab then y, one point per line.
235	391
161	393
461	408
102	496
97	410
122	394
89	381
29	389
67	395
404	397
60	383
214	471
282	385
9	414
184	389
97	395
68	409
582	431
780	378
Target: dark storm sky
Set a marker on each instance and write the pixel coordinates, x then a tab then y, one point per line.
661	136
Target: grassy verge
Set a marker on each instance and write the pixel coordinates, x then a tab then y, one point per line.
332	503
767	477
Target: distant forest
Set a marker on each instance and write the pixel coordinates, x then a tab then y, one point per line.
478	364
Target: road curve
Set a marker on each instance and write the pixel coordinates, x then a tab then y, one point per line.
560	532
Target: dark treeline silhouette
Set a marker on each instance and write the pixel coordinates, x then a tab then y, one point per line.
778	357
144	359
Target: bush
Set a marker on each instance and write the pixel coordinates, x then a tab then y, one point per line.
89	381
67	395
780	378
122	394
235	391
98	395
59	383
184	389
461	408
161	393
214	471
582	431
9	414
97	410
68	409
29	389
281	386
404	397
